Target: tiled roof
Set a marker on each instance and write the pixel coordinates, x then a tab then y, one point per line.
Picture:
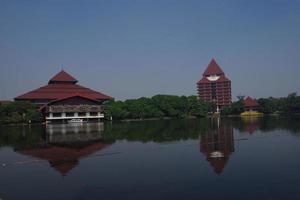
213	69
55	91
249	102
62	76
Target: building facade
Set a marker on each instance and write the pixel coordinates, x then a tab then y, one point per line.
64	100
215	86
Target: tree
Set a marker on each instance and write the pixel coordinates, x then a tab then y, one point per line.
19	112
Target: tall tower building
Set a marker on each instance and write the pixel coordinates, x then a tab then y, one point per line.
215	86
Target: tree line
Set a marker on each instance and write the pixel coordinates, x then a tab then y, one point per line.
35	136
19	112
283	105
158	106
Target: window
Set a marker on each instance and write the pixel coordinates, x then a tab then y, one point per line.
213	88
82	114
93	113
56	114
70	114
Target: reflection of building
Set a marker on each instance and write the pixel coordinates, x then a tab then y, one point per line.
64	99
64	149
70	133
251	124
215	86
217	145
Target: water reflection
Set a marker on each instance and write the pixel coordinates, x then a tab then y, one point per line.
252	124
63	146
66	144
166	159
70	134
217	144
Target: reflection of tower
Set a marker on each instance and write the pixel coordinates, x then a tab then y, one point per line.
66	145
217	144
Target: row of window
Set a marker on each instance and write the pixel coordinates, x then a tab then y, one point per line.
220	83
80	114
210	89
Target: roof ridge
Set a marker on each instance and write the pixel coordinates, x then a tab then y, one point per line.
213	69
62	76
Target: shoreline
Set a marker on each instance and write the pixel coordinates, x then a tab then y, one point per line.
165	118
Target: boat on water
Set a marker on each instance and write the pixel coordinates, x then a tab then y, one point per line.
76	121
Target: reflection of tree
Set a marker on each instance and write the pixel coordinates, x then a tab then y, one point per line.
157	131
217	144
268	124
75	143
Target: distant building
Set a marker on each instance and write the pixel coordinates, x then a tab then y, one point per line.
63	99
215	86
250	104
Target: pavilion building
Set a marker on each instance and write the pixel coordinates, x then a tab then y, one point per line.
251	104
62	99
215	86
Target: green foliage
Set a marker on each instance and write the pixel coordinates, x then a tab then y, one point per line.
236	108
286	105
158	106
19	112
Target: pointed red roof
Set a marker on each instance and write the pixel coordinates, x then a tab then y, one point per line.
62	85
62	76
249	102
213	69
60	91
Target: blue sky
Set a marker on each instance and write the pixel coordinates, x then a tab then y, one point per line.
129	49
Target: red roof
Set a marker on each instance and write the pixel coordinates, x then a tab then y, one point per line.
213	69
249	102
56	91
62	76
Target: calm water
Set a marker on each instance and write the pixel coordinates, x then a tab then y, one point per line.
171	159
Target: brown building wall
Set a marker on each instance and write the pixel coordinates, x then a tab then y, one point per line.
220	92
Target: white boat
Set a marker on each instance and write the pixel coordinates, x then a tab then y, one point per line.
76	121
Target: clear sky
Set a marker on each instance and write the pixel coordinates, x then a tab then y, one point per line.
134	48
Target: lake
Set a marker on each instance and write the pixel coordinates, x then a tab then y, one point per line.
227	158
